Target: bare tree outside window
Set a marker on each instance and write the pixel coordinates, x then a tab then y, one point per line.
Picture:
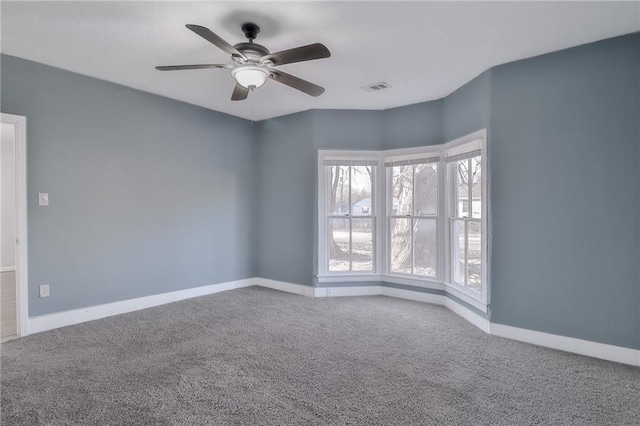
413	237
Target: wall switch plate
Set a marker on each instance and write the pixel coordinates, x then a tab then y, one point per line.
44	290
43	199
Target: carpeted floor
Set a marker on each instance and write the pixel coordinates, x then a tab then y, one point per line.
257	357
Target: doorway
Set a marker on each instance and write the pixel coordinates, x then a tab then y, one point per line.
8	283
13	227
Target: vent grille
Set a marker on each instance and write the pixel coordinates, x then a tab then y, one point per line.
376	87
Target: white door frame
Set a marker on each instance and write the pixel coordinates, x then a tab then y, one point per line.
22	282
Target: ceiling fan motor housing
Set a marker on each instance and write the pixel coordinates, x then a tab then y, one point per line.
253	51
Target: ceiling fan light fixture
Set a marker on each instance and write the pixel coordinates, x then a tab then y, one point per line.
250	76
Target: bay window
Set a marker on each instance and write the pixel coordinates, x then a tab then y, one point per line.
421	221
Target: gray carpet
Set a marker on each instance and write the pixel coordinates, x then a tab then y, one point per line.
258	357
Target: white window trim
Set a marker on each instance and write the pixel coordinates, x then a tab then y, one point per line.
336	155
468	143
473	141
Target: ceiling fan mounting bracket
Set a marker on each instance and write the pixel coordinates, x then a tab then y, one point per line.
250	31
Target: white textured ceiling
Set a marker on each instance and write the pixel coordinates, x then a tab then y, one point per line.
424	50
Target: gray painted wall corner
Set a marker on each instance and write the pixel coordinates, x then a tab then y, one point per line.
413	125
468	108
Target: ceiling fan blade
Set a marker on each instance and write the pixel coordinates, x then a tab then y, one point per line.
296	83
192	67
298	54
240	93
215	39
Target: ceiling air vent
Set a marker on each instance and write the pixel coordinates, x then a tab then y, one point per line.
376	87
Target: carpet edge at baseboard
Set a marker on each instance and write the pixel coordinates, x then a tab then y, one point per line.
568	344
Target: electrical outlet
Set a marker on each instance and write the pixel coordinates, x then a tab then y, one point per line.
328	292
44	290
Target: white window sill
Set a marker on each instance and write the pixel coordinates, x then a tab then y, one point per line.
472	299
348	278
431	283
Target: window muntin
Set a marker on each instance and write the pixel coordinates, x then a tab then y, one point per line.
350	220
466	220
413	215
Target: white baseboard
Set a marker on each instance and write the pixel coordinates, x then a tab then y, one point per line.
303	290
77	316
7	268
569	344
475	319
372	290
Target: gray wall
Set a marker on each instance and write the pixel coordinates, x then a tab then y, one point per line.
147	195
468	108
413	125
286	176
565	189
347	129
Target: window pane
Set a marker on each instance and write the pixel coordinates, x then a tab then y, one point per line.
425	247
476	188
401	245
362	244
457	259
338	245
402	188
338	190
474	251
361	183
462	188
426	189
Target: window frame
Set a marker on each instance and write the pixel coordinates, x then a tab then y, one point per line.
324	215
428	156
473	142
350	216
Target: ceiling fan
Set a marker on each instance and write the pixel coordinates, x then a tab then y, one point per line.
253	63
